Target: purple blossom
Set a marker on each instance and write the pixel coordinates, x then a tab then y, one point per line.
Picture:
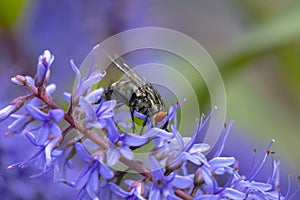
162	188
42	160
121	143
254	189
84	84
106	143
48	121
43	66
88	181
95	114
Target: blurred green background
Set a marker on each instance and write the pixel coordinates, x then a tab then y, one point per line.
255	44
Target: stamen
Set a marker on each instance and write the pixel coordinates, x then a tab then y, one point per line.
289	186
224	138
262	160
199	128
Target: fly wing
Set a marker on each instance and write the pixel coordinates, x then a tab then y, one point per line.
121	64
145	88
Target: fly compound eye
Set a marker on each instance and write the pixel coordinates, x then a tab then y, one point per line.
158	117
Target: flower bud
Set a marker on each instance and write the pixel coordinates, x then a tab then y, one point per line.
19	80
7	111
43	66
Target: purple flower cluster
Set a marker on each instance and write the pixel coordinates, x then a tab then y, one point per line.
94	136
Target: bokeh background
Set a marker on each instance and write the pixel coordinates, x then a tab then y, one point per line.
255	44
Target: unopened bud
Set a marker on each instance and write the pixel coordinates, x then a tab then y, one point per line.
19	80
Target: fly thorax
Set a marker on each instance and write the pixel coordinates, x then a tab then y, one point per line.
122	91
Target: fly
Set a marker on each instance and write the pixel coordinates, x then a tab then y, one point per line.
138	94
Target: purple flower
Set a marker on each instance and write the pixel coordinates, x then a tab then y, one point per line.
48	125
43	160
206	175
187	150
84	84
193	154
162	188
120	143
170	176
88	179
95	114
254	189
43	66
62	164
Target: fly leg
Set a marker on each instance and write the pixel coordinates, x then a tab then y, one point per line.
144	124
132	118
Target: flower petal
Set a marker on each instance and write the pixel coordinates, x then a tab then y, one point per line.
31	137
261	186
112	130
55	130
157	132
88	108
93	182
154	194
201	157
95	77
83	177
206	197
221	162
42	135
156	169
83	154
19	124
182	182
126	152
113	156
194	158
178	141
48	150
50	88
119	191
201	147
36	113
134	140
77	72
105	171
95	95
67	96
233	194
57	114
